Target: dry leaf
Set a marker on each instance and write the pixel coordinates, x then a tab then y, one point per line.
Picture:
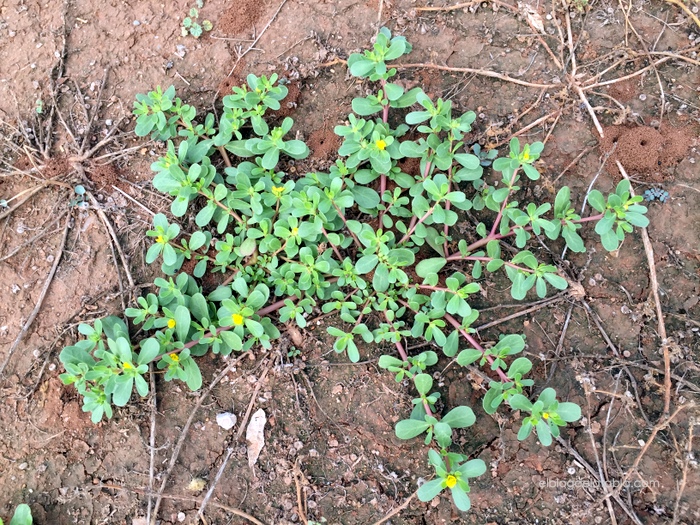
533	17
255	436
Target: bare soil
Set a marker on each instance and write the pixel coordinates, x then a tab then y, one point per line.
331	453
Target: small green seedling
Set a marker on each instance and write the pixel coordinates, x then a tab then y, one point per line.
22	516
80	199
191	25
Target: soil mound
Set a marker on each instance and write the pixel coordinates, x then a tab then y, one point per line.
646	151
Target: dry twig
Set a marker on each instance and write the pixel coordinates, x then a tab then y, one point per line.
657	302
183	435
396	510
42	296
235	512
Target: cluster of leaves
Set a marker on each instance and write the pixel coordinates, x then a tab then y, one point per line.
22	515
367	241
190	24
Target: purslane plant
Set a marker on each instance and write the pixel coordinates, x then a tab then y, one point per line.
366	240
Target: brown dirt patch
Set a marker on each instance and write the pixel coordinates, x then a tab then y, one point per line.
410	165
237	78
623	91
645	151
56	167
241	17
323	143
104	176
291	102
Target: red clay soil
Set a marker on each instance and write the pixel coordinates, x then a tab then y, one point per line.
291	101
323	144
56	167
241	17
645	151
104	176
624	91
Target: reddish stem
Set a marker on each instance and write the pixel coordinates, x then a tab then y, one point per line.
472	341
357	241
482	242
503	206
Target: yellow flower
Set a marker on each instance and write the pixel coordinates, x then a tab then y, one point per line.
160	239
450	481
174	357
237	319
126	365
277	191
526	155
171	323
381	144
545	415
295	231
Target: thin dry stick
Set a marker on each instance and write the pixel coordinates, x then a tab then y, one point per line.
627	77
616	353
253	44
258	385
183	435
152	442
241	428
42	296
207	497
601	476
584	99
657	302
396	510
607	424
675	377
571	164
560	344
34	239
150	212
571	450
30	193
687	11
232	510
450	7
113	234
539	305
533	124
665	421
96	109
300	503
646	50
551	128
482	72
684	478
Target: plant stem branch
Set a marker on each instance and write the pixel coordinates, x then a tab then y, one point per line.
505	203
473	342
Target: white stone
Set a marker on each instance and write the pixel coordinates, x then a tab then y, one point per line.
226	420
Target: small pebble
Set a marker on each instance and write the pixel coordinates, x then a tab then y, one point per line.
642	97
136	23
181	517
23	466
226	420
